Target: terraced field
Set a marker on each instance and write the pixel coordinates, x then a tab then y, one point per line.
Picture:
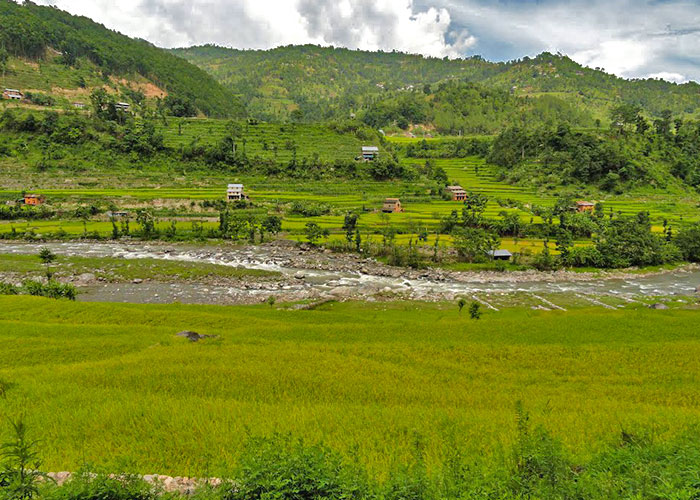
269	141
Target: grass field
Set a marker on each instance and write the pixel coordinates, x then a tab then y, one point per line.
111	385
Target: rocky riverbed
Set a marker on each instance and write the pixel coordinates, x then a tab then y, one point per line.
309	273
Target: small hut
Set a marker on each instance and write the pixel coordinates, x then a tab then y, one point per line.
392	205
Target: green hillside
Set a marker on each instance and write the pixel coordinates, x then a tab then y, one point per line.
49	52
310	83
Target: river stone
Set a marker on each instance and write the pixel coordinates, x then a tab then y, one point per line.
86	278
300	275
658	306
194	336
137	281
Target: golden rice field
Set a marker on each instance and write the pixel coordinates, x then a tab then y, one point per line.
111	385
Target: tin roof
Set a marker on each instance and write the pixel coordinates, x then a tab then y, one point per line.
500	253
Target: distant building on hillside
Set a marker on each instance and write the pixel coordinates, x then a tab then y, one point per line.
370	153
392	205
458	193
34	199
585	206
500	254
234	192
118	214
12	94
122	106
79	105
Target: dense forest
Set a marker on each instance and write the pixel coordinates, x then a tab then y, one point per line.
632	152
455	108
35	32
310	83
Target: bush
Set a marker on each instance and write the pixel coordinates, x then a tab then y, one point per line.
53	289
309	209
688	242
88	486
584	257
279	468
8	289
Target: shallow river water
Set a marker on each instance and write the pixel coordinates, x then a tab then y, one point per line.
299	283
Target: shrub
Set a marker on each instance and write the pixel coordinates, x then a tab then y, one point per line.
88	486
8	289
688	241
280	468
52	289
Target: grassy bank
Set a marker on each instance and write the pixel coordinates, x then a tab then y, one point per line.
111	385
119	269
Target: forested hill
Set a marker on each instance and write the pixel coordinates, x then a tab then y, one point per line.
47	49
326	82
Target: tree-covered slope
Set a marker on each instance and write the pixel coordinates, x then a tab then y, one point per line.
45	45
323	82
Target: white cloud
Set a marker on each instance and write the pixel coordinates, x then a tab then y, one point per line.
616	56
362	24
671	77
632	38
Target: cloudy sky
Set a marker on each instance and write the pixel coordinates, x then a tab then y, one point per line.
631	38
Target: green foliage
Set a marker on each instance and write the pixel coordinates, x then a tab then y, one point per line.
19	469
474	244
611	160
461	302
396	87
314	232
86	485
52	289
688	241
28	30
282	467
475	310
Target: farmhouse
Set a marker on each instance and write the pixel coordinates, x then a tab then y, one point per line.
122	106
34	199
122	214
500	254
458	193
392	205
235	192
370	153
585	206
12	94
79	105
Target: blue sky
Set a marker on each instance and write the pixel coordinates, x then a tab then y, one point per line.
631	38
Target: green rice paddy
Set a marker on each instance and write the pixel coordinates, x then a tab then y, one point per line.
111	385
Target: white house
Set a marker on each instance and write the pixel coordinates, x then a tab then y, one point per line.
235	192
12	94
369	153
122	106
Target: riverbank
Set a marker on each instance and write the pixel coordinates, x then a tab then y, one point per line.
232	274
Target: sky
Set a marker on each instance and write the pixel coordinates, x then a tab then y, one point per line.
630	38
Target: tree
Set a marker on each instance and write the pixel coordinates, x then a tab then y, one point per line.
271	301
147	221
474	244
47	257
314	232
688	241
461	303
4	56
475	310
350	225
272	224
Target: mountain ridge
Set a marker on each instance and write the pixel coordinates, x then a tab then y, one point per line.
274	82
